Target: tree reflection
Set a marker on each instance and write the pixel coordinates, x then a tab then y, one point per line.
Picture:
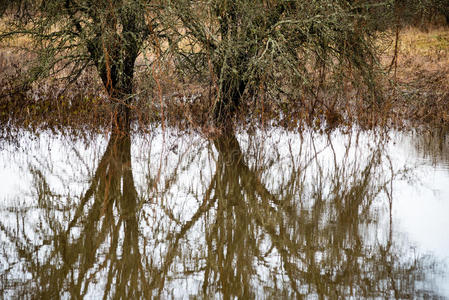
100	240
320	227
433	145
311	237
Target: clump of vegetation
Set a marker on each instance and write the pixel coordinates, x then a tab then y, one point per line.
69	37
287	63
245	46
279	49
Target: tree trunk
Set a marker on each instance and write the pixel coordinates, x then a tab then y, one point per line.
118	82
231	91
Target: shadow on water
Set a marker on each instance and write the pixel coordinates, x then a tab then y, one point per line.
264	223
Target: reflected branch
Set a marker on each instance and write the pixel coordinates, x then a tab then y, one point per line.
302	219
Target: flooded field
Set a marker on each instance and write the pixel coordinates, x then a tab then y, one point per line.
264	214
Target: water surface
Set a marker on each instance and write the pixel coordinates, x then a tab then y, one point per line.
268	214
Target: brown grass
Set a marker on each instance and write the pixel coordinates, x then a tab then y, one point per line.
421	84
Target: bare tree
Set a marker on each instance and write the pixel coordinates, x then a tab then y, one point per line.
71	35
245	45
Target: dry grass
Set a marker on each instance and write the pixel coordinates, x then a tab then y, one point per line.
421	79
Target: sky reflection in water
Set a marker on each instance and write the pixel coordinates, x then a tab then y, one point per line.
273	213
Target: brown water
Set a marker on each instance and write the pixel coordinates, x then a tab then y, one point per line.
267	214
